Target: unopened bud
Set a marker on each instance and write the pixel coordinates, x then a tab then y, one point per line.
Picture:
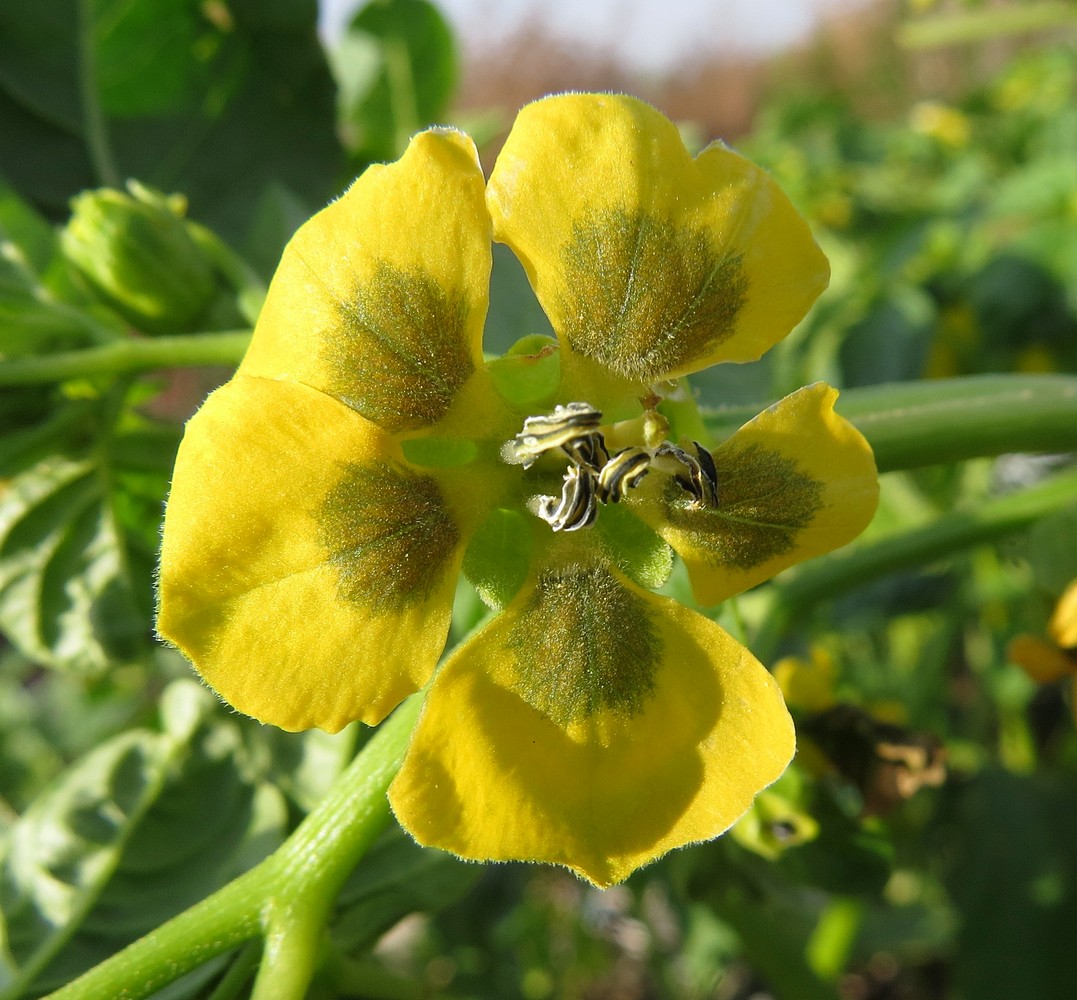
136	250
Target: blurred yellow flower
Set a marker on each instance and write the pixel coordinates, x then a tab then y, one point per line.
807	685
944	124
1049	661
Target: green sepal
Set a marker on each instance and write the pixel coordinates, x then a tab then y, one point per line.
529	373
497	560
635	549
439	452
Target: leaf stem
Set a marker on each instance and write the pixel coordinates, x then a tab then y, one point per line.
97	140
285	899
913	424
128	356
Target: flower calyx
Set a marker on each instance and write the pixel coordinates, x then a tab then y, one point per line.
595	475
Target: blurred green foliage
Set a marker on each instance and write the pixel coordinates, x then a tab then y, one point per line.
127	793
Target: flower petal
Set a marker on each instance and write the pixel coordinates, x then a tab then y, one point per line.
298	549
1063	624
648	261
594	725
380	299
796	481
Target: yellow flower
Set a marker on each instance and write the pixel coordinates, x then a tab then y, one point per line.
944	124
807	685
326	499
1049	661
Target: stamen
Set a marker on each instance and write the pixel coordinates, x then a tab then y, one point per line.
699	476
577	508
593	477
621	473
566	426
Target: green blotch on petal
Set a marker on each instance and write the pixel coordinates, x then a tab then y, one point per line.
647	298
399	354
389	534
764	499
584	643
497	557
635	548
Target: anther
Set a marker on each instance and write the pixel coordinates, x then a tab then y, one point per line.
568	427
577	507
593	477
623	472
699	475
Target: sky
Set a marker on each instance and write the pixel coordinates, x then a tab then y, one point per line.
650	35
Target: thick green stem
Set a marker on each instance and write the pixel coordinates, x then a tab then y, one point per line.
286	899
128	356
913	424
845	571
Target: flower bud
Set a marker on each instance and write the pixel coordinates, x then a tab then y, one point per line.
137	252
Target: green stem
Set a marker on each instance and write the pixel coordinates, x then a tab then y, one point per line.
912	424
128	356
985	24
851	568
285	899
248	285
97	140
239	973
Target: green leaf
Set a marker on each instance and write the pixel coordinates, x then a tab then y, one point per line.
397	877
891	343
60	854
847	856
1052	551
396	68
24	231
1010	843
68	595
215	100
144	55
142	827
279	213
528	374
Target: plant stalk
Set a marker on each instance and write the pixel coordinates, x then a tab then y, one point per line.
286	899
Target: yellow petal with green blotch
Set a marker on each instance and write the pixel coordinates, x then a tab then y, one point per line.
594	725
796	481
298	549
380	299
647	261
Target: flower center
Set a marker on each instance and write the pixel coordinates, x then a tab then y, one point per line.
595	476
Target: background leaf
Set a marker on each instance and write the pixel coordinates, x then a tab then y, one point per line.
142	827
67	596
396	67
215	100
